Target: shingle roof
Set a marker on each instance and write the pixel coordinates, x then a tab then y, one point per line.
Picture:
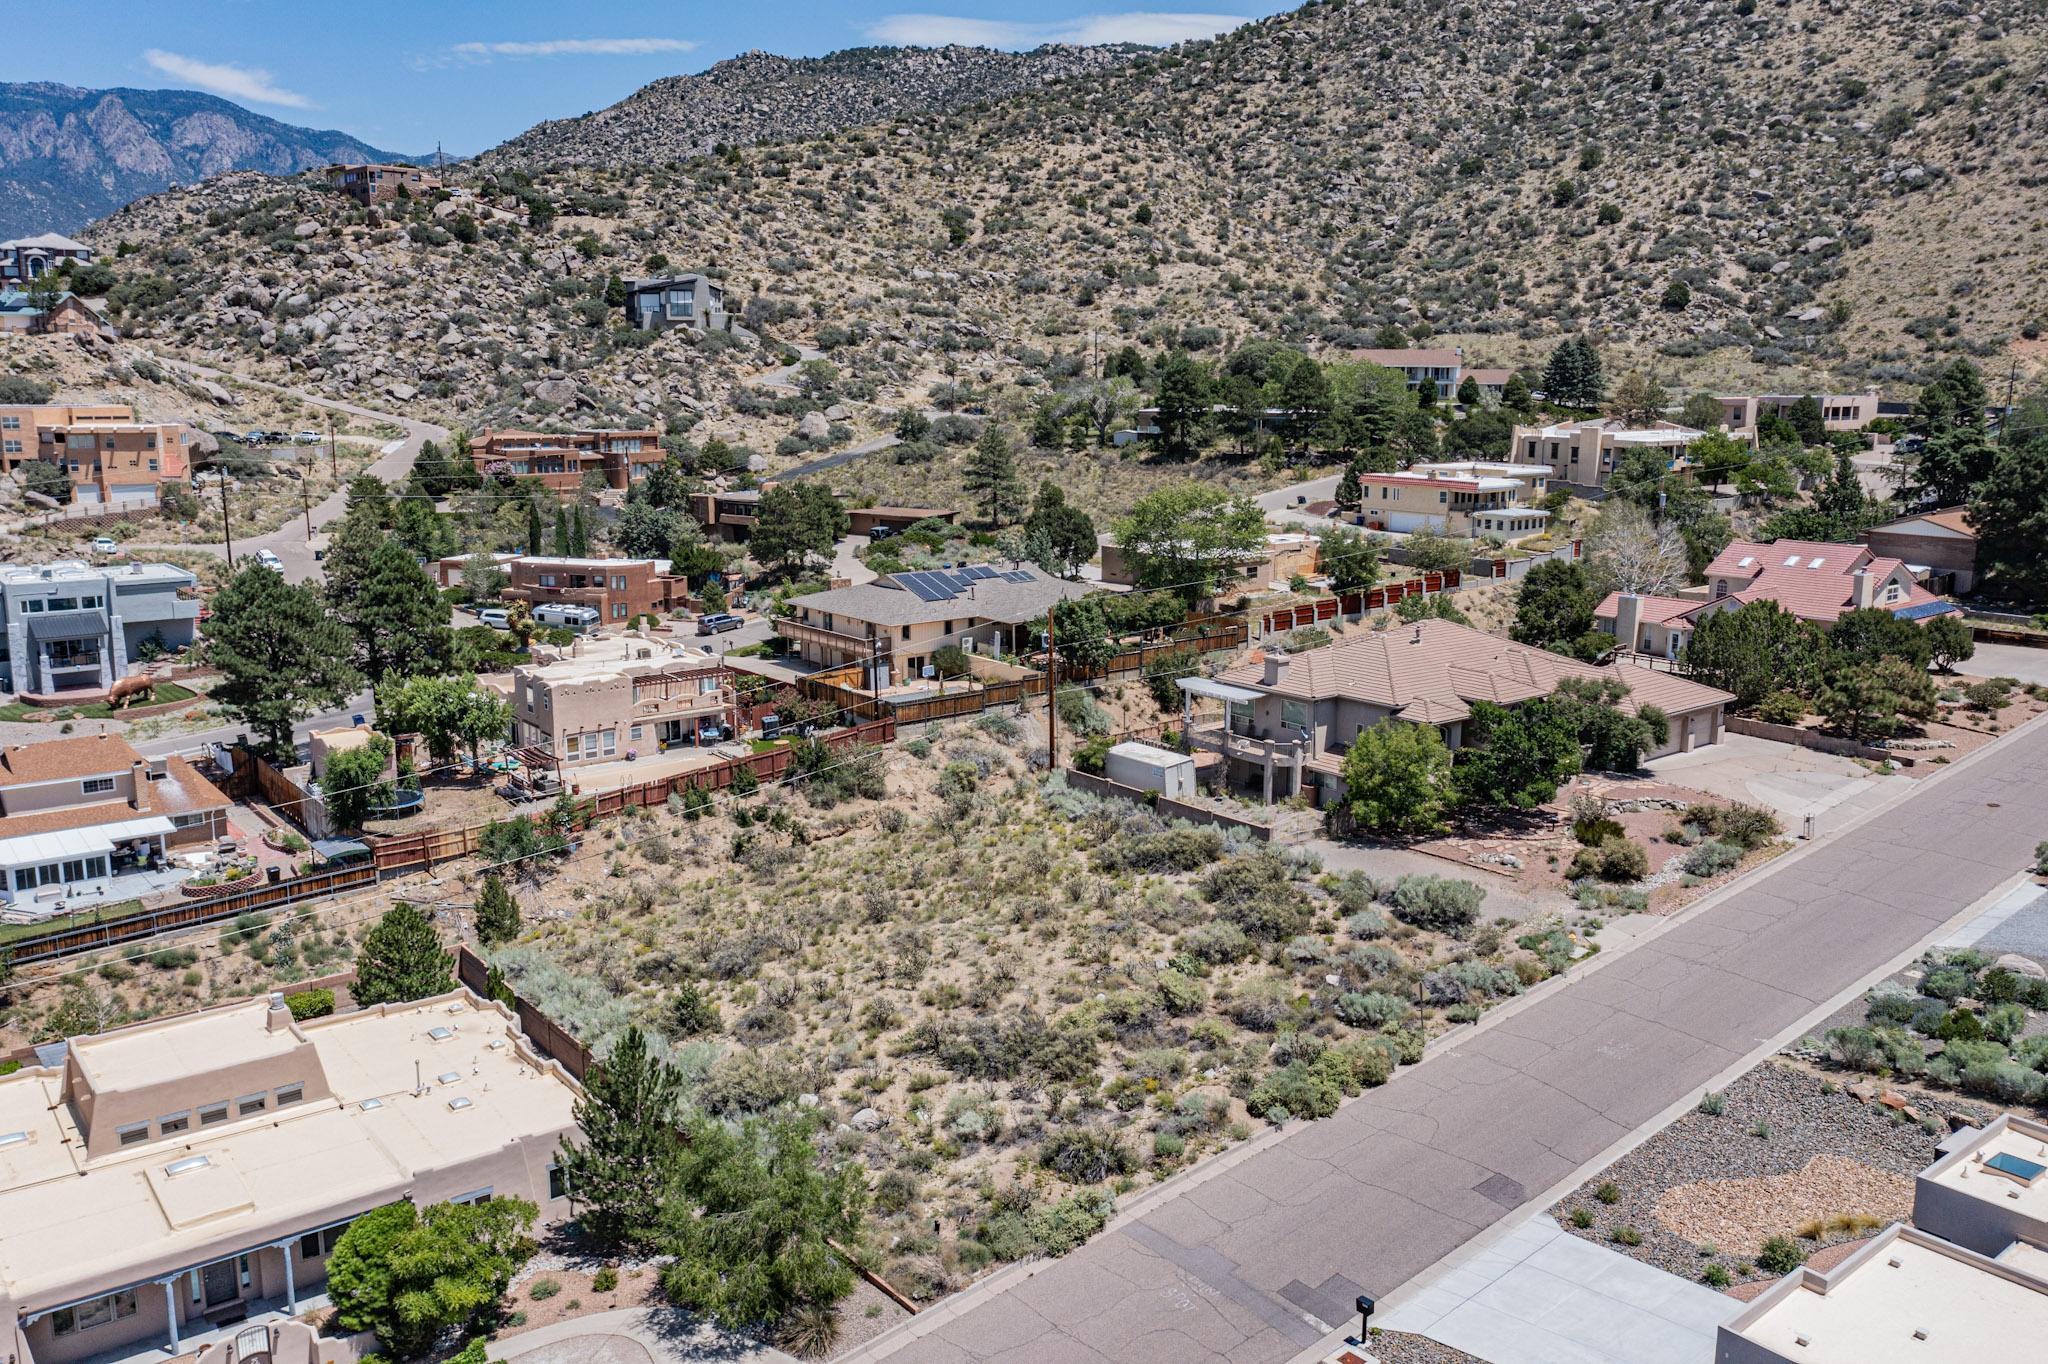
1399	358
1435	668
181	792
882	603
1655	611
67	759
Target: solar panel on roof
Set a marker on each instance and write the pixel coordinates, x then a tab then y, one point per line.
977	572
915	583
1017	576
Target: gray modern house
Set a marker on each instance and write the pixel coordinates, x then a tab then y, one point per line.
72	626
696	301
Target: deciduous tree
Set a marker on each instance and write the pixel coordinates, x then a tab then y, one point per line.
1397	779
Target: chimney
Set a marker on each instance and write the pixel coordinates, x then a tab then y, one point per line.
1276	667
1628	620
279	1017
138	778
1863	588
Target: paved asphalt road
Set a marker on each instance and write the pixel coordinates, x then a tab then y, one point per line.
1260	1261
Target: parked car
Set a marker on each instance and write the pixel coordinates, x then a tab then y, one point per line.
497	617
270	561
880	533
307	438
105	544
718	623
256	438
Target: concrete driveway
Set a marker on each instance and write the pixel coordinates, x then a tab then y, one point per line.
633	1335
1795	782
2008	660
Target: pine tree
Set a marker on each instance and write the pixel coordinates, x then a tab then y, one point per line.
401	960
991	471
283	657
621	1173
1183	402
534	544
398	617
497	913
1349	491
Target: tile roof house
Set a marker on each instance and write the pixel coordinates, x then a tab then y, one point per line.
1813	580
1290	717
900	618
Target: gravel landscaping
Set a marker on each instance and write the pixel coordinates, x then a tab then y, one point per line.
1789	1146
1398	1347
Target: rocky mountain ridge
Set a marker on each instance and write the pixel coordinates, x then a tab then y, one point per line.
759	97
68	155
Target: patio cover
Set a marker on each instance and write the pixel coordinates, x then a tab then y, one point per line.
1218	691
67	625
31	849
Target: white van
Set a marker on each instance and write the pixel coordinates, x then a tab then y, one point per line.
564	616
497	617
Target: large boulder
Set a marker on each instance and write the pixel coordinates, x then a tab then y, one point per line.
814	426
560	392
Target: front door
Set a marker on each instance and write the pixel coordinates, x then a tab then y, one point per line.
223	1282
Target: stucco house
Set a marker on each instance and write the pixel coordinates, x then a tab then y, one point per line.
896	622
1289	718
695	301
1584	453
1939	546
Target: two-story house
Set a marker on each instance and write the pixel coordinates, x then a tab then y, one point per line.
565	460
72	626
1584	453
1289	718
383	183
895	623
694	301
1440	366
620	590
79	816
27	258
1466	499
612	698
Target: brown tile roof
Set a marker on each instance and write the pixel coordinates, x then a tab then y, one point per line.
1956	519
181	792
1436	668
66	759
1484	377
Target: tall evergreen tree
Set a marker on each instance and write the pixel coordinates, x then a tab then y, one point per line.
1183	402
401	959
1305	393
624	1170
991	472
281	655
2011	511
563	542
534	543
1066	533
398	618
497	913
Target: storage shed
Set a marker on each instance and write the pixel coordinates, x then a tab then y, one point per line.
1150	768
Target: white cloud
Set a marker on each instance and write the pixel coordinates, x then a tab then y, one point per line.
577	47
235	82
1148	27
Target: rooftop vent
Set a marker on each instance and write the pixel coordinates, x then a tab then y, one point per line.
368	1104
187	1165
440	1034
12	1138
458	1104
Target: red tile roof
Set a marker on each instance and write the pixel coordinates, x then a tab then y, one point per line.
1656	610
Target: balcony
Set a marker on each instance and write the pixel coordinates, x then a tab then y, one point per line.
852	646
1244	748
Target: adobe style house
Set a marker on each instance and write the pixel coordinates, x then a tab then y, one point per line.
608	699
161	1181
563	461
1584	453
71	626
27	258
109	456
1442	367
1815	581
619	589
693	301
1838	411
727	516
1283	555
69	315
1290	718
78	816
381	184
1940	547
867	520
899	619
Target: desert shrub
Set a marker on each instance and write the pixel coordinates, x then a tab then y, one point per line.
1712	858
1353	891
1945	983
1367	924
1438	903
1255	892
1371	1008
1745	826
747	1081
2004	1080
306	1004
1173	850
1593	832
1216	943
1890	1007
1179	994
1294	1091
1618	860
1083	1155
1065	1225
1780	1255
1262	1004
605	1280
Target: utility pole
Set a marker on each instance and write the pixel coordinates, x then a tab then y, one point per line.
333	459
1052	691
227	530
875	673
306	500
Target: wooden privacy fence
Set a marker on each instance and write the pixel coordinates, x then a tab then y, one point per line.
74	937
399	852
549	1037
1355	603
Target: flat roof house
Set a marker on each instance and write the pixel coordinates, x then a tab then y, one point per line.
1441	366
82	818
1838	411
900	618
693	301
1277	561
1584	453
727	516
1939	546
382	183
619	590
612	697
73	626
1813	580
564	460
108	461
1465	500
1289	718
198	1169
866	520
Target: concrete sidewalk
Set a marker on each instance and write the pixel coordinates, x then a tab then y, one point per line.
1543	1296
634	1335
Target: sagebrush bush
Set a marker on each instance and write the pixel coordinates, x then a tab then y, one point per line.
1438	903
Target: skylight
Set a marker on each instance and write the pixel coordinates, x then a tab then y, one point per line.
187	1165
447	1077
1814	563
440	1034
1792	561
368	1104
456	1105
1745	561
12	1138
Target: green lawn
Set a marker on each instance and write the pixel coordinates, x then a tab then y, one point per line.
163	694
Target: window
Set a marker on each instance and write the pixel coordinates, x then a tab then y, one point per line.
95	785
10	423
25	879
1294	715
188	821
574	743
618	610
315	1245
213	1113
633	733
290	1094
174	1122
609	742
547	580
558	1182
131	1134
98	1312
250	1103
618	582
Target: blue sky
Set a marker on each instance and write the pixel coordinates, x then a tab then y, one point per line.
405	74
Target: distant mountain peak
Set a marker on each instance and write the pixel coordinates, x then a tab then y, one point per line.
70	155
